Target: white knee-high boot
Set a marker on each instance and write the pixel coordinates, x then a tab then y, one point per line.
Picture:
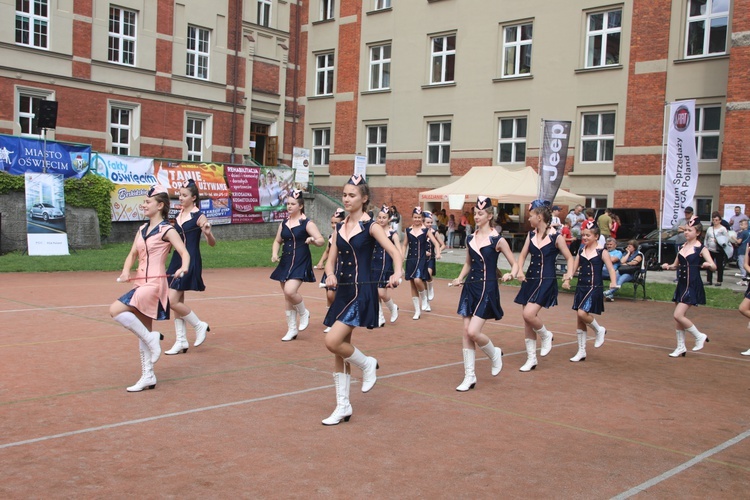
180	344
200	327
681	349
304	315
530	355
368	365
291	323
393	308
148	378
600	332
546	337
496	356
381	318
430	291
150	339
581	354
425	302
470	378
700	338
343	409
417	307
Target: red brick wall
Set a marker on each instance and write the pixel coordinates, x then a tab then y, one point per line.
266	77
736	147
638	164
637	199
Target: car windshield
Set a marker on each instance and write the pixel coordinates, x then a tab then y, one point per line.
665	234
47	205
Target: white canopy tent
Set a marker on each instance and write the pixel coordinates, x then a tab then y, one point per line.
518	186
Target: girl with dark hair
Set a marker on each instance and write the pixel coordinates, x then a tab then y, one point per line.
717	236
149	298
689	291
356	295
539	287
295	233
415	252
382	267
589	297
337	217
429	222
480	296
190	224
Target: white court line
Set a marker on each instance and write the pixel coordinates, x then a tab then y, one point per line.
684	466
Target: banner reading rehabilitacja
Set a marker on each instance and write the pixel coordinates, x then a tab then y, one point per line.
20	155
681	176
554	155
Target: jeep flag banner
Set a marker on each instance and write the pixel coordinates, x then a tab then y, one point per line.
681	177
554	153
45	214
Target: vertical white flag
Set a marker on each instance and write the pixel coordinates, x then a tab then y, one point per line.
681	176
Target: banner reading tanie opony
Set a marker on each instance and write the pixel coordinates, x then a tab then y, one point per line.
681	176
209	177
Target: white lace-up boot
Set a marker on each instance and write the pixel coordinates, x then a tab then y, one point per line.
304	315
148	378
495	355
530	355
291	323
343	409
417	307
700	338
200	327
681	349
425	302
581	354
470	378
181	344
547	338
368	365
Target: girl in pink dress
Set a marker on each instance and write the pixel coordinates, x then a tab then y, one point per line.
149	299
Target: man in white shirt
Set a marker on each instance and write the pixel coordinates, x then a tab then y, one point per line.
576	218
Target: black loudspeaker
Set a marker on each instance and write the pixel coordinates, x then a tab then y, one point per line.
46	114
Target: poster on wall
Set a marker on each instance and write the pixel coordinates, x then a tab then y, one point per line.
301	166
209	177
45	214
243	183
20	155
132	177
274	185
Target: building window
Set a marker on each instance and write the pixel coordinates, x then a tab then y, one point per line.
326	10
377	137
439	143
121	36
596	201
264	12
382	4
380	67
195	137
517	50
321	147
707	127
32	23
26	105
512	142
598	137
120	124
707	26
603	39
703	208
197	52
443	59
324	74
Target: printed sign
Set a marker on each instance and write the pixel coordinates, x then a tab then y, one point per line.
209	177
45	214
20	155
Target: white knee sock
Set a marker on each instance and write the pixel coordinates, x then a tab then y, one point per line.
594	326
192	319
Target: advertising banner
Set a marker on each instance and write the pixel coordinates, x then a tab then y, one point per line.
681	176
243	182
125	170
45	219
209	177
554	153
301	165
20	155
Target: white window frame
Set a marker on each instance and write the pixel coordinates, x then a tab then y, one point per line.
514	141
123	34
33	95
376	149
198	52
701	134
442	59
596	201
321	150
326	9
264	12
380	67
707	18
605	33
324	72
37	25
382	4
133	129
116	125
439	144
193	153
600	138
516	46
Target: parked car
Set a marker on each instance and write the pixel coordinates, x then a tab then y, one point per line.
635	223
46	211
649	247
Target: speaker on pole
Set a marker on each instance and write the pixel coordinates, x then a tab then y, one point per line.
45	114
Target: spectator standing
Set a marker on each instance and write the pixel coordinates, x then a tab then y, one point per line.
442	222
716	237
614	225
463	223
576	218
565	231
605	223
556	224
735	220
742	239
451	231
395	221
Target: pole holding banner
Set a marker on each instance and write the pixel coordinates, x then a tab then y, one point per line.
681	173
554	154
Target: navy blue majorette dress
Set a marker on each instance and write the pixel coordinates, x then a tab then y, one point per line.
382	263
356	302
431	260
589	290
416	255
296	261
689	283
480	295
191	236
540	286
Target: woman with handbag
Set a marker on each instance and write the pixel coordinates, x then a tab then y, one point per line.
717	237
632	262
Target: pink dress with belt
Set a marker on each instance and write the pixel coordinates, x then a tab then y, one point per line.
151	292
